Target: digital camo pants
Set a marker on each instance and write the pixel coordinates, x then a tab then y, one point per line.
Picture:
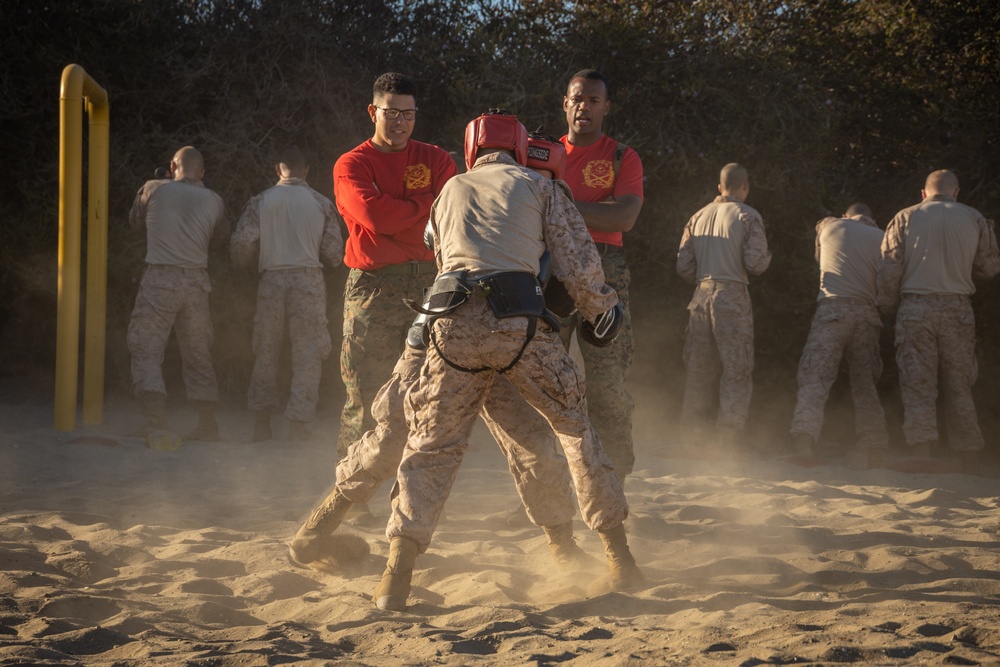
298	295
375	324
842	328
936	340
609	404
540	472
443	405
718	352
173	298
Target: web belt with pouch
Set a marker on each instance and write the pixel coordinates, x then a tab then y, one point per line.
509	294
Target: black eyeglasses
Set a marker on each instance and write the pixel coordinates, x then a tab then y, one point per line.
393	114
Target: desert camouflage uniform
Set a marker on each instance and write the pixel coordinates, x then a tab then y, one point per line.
375	324
445	401
719	341
718	353
300	296
936	339
291	287
608	401
181	220
384	199
540	473
607	169
840	327
846	322
171	297
935	329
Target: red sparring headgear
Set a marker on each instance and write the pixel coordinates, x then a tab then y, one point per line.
496	129
544	152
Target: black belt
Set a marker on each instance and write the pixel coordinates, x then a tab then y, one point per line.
183	269
853	300
294	269
607	249
406	269
938	297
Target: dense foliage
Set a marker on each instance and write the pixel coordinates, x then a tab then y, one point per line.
825	101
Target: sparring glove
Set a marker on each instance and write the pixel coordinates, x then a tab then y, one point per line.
605	329
429	235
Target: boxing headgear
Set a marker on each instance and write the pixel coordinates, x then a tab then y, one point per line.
496	129
544	152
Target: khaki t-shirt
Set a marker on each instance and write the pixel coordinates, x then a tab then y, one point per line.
181	218
723	241
292	219
940	245
849	253
490	219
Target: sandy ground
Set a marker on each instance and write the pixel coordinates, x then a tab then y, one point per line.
114	554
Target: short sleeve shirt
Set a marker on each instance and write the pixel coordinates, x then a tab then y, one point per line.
590	175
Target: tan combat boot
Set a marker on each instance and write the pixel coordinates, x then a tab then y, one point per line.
392	591
207	429
311	542
297	431
802	444
564	549
158	433
154	409
262	426
625	573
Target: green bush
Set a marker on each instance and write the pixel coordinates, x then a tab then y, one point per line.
825	102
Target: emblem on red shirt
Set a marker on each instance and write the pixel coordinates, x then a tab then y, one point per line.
417	177
599	174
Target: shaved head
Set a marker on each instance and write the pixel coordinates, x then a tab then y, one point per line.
733	176
734	180
188	163
941	182
292	163
858	208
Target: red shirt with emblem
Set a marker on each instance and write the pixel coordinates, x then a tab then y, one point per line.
385	199
591	176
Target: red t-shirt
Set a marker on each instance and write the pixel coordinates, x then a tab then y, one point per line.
591	176
386	198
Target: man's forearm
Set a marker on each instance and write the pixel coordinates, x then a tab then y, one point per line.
611	215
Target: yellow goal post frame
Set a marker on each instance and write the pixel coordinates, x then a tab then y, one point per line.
77	91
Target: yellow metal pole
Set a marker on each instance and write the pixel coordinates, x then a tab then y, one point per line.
68	296
97	253
76	84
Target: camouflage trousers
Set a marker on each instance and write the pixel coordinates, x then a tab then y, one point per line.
443	405
173	298
375	324
298	295
609	404
541	475
718	349
842	328
936	341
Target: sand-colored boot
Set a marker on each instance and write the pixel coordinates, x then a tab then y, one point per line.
923	450
564	549
297	431
803	444
971	462
262	425
312	541
625	573
207	429
154	409
392	591
158	433
877	457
